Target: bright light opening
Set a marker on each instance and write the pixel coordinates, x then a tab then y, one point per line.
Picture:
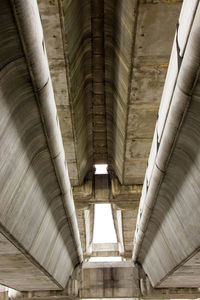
101	169
105	259
104	231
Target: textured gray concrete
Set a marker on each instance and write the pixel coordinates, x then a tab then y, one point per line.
108	61
114	86
116	57
168	226
112	281
37	216
16	270
109	71
109	280
156	24
50	17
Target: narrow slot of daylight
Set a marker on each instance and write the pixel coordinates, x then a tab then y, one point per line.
101	169
104	231
105	259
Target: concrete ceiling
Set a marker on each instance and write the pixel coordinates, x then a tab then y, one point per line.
108	61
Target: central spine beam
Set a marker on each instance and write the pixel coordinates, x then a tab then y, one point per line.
98	82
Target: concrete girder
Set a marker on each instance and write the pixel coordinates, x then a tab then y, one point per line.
39	232
113	280
167	233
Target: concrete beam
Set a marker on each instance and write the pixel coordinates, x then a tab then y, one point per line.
105	188
54	39
167	236
120	281
39	232
167	293
109	280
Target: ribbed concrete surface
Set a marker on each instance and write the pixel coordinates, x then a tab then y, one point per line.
37	214
169	234
116	57
108	61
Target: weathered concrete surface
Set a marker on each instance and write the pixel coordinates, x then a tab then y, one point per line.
168	225
120	19
156	294
190	271
112	280
74	293
17	270
116	55
109	280
50	17
37	213
76	34
108	61
86	227
4	295
156	24
105	249
129	218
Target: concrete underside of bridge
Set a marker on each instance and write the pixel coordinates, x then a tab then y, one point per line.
85	82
